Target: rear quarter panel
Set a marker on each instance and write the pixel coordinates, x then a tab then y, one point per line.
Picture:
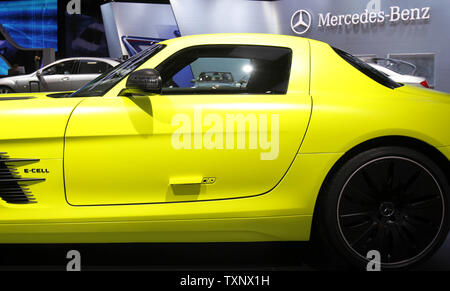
350	108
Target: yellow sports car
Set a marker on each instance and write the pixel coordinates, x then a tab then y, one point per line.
306	143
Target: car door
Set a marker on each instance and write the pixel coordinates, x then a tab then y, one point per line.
87	71
193	143
28	83
57	77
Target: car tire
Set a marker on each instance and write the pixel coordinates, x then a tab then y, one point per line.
392	200
6	90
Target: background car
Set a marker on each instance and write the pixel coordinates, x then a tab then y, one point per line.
215	79
398	66
400	78
64	75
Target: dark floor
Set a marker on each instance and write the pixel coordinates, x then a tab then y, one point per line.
441	260
179	257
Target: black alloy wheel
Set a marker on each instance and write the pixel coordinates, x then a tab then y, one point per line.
392	200
392	205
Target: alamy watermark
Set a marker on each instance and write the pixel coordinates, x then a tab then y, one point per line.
236	131
374	263
75	261
73	7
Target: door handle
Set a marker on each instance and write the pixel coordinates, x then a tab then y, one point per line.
65	79
186	180
192	180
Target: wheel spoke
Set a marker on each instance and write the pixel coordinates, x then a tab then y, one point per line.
357	219
370	182
398	248
410	232
367	195
388	245
364	235
357	214
424	202
379	238
411	181
388	186
420	221
357	224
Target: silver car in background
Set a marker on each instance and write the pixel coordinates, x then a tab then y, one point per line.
214	80
63	75
397	70
401	78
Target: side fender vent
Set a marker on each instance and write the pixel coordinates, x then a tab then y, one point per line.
13	188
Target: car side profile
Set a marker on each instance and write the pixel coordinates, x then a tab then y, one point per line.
317	146
63	75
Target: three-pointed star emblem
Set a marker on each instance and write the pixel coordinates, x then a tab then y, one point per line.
300	21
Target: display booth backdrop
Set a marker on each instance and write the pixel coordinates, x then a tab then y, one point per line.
31	24
424	42
422	37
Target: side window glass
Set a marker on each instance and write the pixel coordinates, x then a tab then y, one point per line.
93	67
64	68
227	69
49	71
206	73
182	79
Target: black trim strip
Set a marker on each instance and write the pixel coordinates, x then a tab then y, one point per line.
21	180
15	98
19	160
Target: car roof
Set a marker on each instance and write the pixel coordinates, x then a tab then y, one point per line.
236	38
398	77
107	60
389	71
383	69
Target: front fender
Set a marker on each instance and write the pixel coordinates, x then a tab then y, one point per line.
33	125
5	82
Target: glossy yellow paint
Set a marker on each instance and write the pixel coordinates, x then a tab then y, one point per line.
111	165
350	108
122	159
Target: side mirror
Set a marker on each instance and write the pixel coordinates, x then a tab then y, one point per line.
143	82
38	73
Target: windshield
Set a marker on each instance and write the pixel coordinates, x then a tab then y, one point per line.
368	70
105	82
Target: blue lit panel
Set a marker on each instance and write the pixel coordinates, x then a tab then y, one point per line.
4	67
31	23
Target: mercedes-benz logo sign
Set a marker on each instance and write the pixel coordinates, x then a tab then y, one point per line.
301	21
